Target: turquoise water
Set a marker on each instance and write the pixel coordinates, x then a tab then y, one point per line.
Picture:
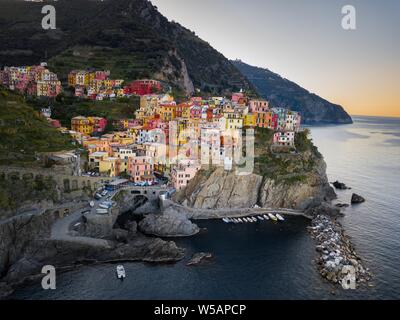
275	261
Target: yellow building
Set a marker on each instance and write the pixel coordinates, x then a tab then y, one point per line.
167	113
110	167
82	125
148	107
234	121
249	120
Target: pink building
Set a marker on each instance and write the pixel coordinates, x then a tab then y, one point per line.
54	122
197	101
259	106
195	112
141	169
101	75
182	174
133	123
237	96
99	124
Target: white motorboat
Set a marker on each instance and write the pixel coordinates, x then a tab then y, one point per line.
121	272
260	218
254	219
245	220
226	220
240	220
272	217
280	218
266	217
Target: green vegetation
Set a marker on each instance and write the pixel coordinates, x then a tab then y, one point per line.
286	167
122	65
64	108
130	38
304	143
14	192
24	133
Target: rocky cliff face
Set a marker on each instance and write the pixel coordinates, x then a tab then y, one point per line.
222	189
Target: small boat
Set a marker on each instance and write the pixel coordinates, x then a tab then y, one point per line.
245	220
266	217
254	219
121	272
240	220
226	220
272	217
280	218
260	218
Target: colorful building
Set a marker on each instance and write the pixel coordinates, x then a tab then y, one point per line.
140	168
143	87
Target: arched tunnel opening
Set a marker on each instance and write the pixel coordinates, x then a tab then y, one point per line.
126	217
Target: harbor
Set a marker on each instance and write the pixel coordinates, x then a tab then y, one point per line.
253	219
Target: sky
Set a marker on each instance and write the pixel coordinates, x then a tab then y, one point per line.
303	41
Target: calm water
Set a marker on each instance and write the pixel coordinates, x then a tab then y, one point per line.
274	261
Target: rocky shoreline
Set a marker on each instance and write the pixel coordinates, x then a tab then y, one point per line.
337	256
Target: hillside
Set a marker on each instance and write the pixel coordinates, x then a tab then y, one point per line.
129	37
65	107
24	133
285	93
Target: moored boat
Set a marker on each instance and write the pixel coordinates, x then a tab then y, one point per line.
266	217
272	217
280	218
121	272
260	218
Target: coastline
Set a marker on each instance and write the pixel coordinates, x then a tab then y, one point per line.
310	199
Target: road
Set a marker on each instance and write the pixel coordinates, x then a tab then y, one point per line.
61	229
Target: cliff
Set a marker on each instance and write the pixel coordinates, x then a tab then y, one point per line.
285	180
287	94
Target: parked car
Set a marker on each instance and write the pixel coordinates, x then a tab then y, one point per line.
104	193
97	196
101	211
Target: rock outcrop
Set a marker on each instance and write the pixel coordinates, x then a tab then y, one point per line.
337	256
355	199
168	225
222	189
340	185
199	258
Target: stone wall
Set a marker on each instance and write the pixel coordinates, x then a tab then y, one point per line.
66	183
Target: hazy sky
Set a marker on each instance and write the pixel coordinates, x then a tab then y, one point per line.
303	40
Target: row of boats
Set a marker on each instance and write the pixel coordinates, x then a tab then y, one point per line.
265	217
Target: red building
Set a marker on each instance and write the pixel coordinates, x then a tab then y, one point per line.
143	87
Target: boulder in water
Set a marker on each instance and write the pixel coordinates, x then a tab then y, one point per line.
340	186
199	258
355	199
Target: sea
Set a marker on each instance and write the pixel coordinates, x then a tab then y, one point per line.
269	260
